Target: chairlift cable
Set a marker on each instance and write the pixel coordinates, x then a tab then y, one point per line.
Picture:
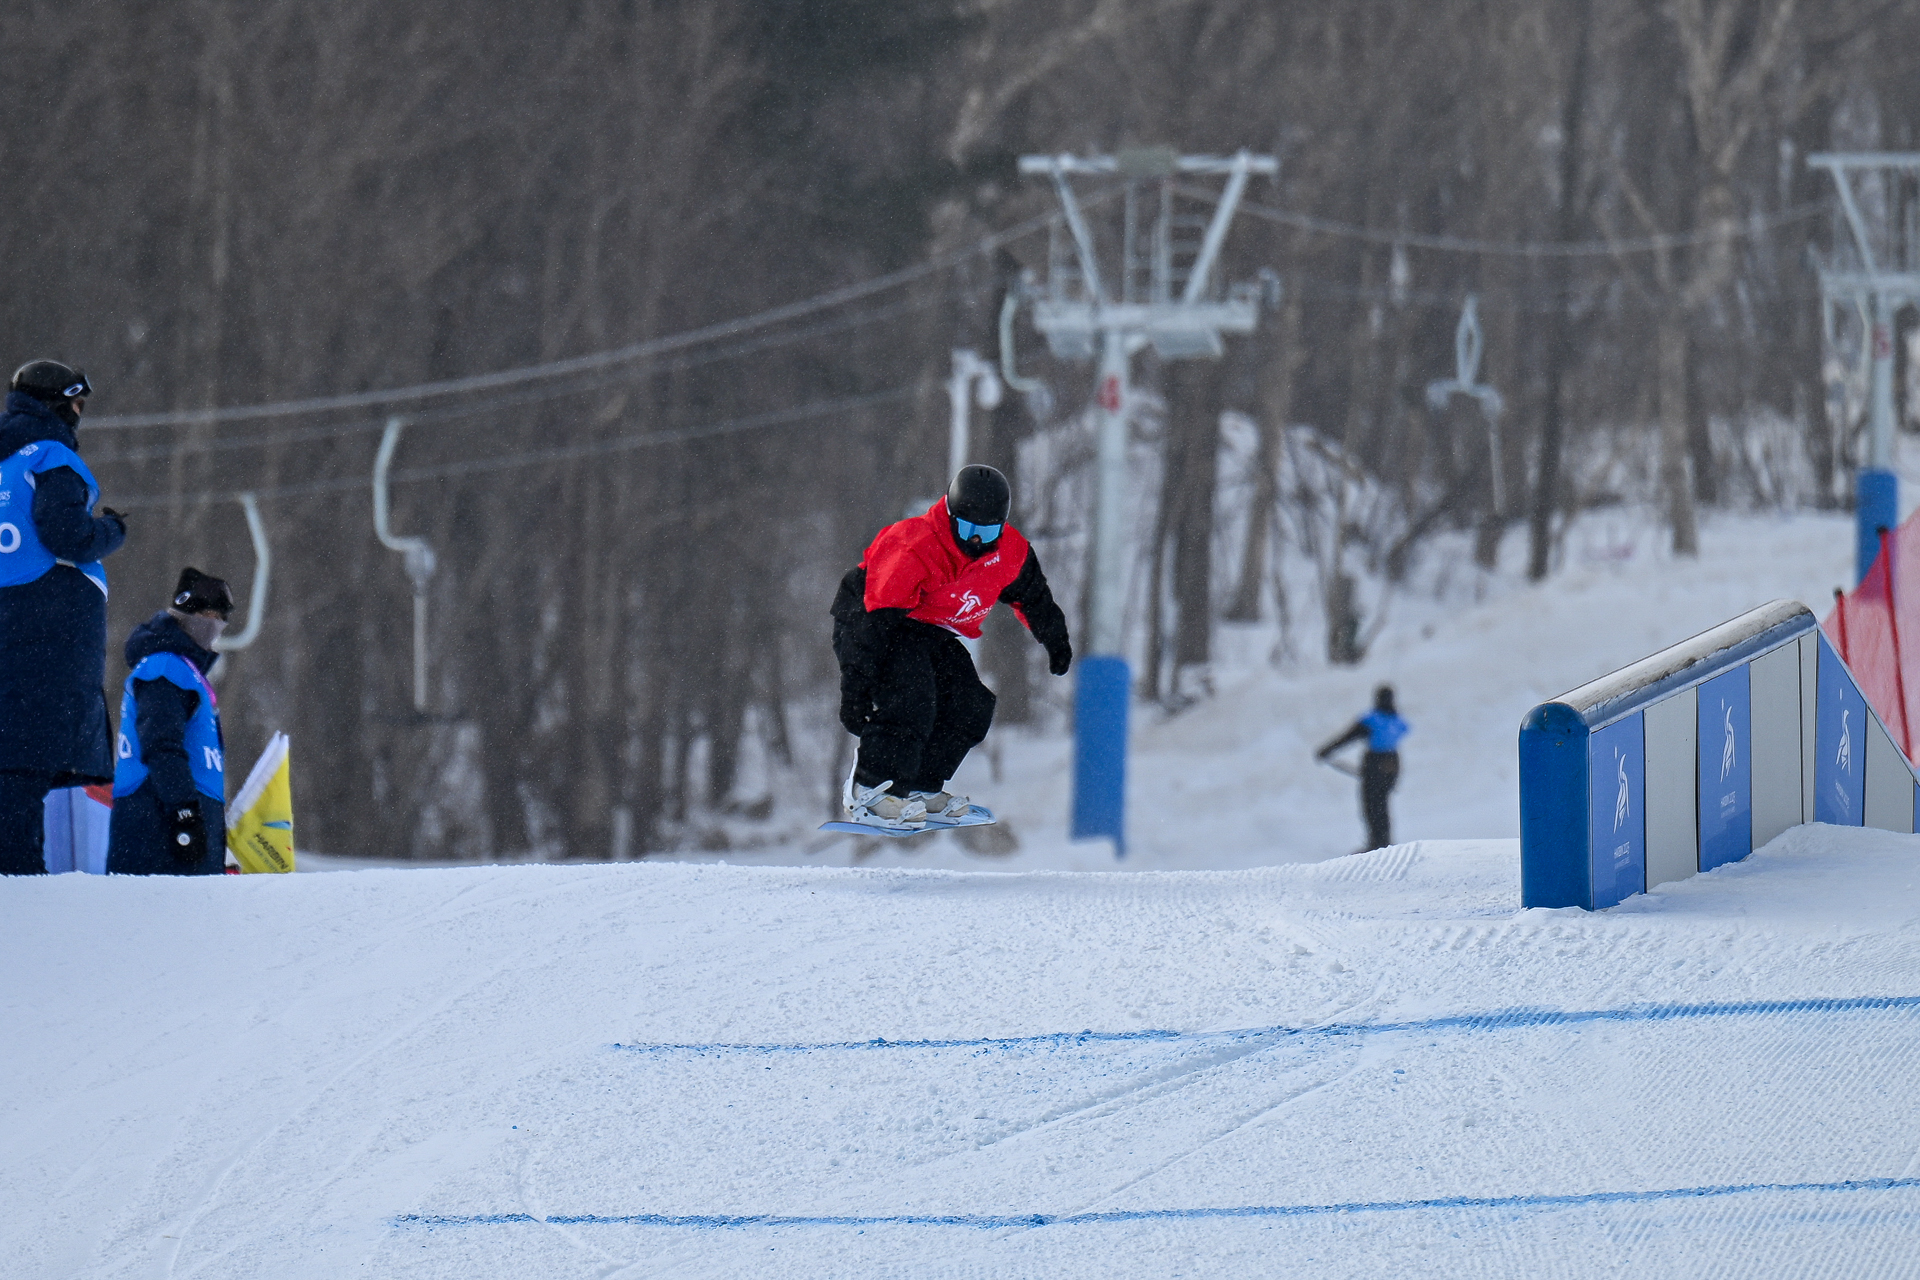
453	413
1753	227
575	364
536	457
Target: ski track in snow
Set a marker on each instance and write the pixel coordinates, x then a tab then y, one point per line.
1374	1066
1499	1020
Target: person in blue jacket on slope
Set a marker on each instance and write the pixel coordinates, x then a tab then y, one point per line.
53	608
169	785
1382	728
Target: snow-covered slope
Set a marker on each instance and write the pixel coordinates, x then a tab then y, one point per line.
1370	1066
1252	1062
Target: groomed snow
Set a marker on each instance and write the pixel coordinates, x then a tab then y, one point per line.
1248	1061
649	1070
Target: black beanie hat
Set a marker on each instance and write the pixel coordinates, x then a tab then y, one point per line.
199	592
50	380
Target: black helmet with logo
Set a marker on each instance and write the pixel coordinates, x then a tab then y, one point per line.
978	501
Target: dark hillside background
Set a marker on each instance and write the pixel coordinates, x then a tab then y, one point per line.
216	203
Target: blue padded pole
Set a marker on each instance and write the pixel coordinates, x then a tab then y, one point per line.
1556	858
1877	506
1100	750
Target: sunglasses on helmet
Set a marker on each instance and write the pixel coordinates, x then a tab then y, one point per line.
968	530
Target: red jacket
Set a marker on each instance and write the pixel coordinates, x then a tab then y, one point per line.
916	565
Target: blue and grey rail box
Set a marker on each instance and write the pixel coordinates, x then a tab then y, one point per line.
1696	757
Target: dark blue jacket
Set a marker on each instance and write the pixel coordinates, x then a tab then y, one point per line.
53	630
137	843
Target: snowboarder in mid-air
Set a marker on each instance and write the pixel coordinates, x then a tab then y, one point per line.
1382	728
908	689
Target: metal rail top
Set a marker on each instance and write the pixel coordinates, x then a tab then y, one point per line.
1693	661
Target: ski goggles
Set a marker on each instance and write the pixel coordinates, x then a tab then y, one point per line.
79	388
968	530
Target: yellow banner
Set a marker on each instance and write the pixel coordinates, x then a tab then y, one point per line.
260	820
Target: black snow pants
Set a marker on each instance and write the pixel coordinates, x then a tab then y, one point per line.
1379	770
930	709
23	821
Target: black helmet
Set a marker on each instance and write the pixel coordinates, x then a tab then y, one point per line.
50	380
198	592
978	501
1383	699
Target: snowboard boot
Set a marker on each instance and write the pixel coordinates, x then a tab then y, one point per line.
878	807
942	805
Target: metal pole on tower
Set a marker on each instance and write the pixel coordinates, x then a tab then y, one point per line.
1102	689
1877	488
1086	311
1884	286
1109	525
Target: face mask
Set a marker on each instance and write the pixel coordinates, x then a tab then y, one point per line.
202	628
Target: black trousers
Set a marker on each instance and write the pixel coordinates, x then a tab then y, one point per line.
930	709
1379	770
138	842
23	822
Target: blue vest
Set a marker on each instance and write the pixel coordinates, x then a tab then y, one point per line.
1384	730
205	752
23	558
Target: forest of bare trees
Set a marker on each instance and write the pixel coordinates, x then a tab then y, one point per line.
224	203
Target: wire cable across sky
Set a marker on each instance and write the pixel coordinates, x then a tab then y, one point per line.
534	395
1753	227
589	363
555	453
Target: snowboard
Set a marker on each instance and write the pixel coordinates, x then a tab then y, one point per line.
976	816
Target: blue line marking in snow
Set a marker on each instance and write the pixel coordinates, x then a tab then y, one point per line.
1498	1020
999	1220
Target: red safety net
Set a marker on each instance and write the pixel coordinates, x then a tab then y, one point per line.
1876	628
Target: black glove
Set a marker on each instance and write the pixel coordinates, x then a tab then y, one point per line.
1059	656
111	514
856	702
186	833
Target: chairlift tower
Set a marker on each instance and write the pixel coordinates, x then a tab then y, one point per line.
1155	287
1879	276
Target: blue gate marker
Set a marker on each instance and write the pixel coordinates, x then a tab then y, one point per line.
1100	750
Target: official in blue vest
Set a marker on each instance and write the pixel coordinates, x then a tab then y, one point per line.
53	608
1381	728
169	781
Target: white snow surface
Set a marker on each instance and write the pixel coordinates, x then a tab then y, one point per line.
441	1073
1253	1059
